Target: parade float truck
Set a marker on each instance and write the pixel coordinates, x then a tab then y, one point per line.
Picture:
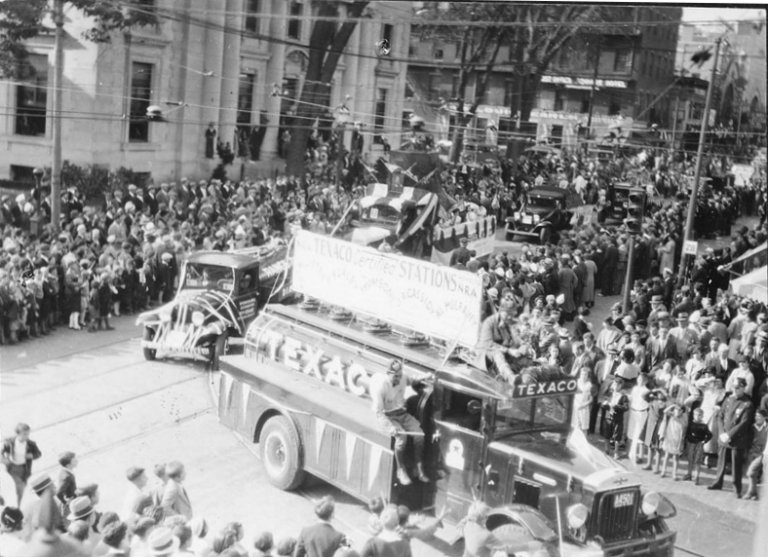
219	294
404	206
300	390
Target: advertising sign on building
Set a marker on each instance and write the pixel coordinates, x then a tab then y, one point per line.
431	299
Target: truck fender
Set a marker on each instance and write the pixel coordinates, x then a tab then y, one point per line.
271	413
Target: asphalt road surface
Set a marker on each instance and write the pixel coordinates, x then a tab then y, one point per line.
94	394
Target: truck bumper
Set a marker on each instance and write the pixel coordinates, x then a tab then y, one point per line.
532	232
160	346
662	545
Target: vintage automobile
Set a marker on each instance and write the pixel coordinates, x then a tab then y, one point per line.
219	294
624	201
543	214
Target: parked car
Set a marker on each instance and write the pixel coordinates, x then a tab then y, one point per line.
543	214
219	294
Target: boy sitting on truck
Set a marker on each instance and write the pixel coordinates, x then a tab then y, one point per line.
388	395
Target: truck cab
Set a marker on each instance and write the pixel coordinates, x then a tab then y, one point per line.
542	215
300	392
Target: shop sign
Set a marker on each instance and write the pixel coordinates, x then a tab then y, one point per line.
581	82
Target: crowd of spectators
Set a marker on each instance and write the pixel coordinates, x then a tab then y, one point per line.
58	515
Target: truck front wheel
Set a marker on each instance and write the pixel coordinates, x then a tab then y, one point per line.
149	353
280	453
218	349
544	235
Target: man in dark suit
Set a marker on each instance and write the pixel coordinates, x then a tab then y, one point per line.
17	454
724	365
735	420
660	348
321	539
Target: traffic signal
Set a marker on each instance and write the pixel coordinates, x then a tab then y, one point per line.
635	210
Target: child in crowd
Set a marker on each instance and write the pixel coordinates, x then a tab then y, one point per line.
697	434
616	406
673	437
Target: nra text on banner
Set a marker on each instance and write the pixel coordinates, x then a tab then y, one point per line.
431	299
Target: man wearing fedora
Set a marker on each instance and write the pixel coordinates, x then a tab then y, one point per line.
175	500
734	421
321	539
162	543
17	454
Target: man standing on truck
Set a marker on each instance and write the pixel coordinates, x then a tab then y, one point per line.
388	395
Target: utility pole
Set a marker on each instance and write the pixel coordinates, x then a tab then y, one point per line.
674	128
699	155
628	276
58	72
592	89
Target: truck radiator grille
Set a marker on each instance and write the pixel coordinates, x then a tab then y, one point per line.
616	515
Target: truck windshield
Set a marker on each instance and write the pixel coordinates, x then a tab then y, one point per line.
381	214
532	414
212	277
547	202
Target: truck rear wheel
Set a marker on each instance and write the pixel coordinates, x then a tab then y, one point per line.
280	453
149	353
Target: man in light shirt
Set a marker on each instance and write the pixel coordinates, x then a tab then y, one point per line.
388	395
136	499
18	452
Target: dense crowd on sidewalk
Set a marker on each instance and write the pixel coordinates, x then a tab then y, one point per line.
58	515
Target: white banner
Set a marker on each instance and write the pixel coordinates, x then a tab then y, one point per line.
431	299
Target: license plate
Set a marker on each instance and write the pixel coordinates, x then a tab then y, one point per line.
527	219
623	500
175	339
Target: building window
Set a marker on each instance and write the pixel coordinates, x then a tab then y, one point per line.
380	115
251	15
31	96
438	54
509	91
294	24
386	33
290	87
559	100
623	60
408	91
405	124
584	104
141	94
614	107
245	99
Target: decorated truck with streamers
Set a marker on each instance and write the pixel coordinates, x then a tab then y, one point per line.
301	390
218	295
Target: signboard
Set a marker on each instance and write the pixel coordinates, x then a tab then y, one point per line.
690	247
545	388
742	174
583	82
434	300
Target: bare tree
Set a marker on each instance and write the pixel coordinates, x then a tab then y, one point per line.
329	37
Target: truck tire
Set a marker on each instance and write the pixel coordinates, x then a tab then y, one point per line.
280	453
545	233
218	349
149	353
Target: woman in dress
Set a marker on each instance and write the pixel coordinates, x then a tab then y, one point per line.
585	395
713	392
588	290
638	415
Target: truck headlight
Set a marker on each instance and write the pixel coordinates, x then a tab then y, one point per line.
198	318
517	214
165	316
654	503
577	515
536	219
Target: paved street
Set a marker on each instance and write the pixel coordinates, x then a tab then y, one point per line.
94	394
